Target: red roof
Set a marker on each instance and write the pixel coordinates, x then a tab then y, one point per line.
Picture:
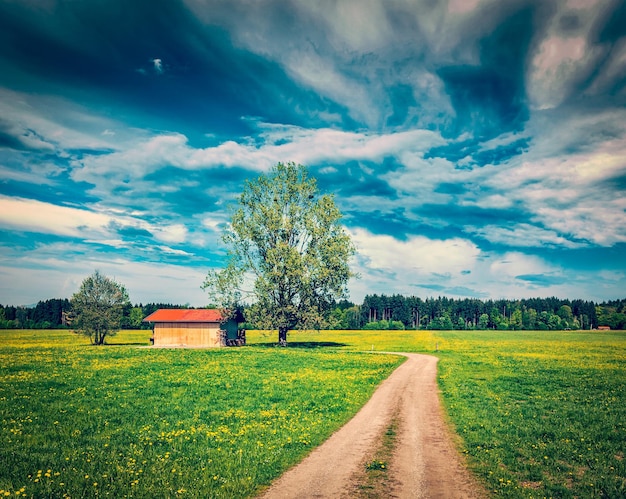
184	315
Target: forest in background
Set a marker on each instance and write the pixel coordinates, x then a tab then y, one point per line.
442	313
386	312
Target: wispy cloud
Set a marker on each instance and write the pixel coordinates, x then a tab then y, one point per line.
35	216
273	143
27	215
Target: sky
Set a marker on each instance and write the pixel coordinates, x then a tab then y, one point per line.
476	148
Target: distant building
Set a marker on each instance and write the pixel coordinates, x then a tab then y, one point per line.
604	328
194	328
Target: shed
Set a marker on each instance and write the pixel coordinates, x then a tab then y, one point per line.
176	327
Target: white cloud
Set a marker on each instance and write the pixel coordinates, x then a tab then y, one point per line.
35	216
133	162
29	215
420	175
568	59
279	143
172	251
176	233
48	123
556	67
316	72
570	196
521	235
115	243
39	177
454	267
600	223
215	222
417	255
551	187
512	264
387	264
158	65
362	26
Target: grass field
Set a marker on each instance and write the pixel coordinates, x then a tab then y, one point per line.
123	421
538	414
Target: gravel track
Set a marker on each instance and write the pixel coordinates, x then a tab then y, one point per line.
425	463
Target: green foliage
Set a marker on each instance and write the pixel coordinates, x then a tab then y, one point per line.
338	319
612	314
45	315
288	240
414	313
483	321
375	482
376	465
135	318
527	314
443	322
382	325
98	308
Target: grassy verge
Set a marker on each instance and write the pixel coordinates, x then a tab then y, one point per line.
374	482
122	421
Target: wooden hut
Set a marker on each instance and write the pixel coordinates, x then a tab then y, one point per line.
193	328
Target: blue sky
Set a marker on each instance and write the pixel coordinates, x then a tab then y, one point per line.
477	148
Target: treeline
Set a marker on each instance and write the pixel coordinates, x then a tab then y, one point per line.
401	312
45	315
55	314
385	312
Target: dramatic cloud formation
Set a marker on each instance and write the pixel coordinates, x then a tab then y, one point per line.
476	148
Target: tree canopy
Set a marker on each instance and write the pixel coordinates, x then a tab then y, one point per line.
98	308
287	252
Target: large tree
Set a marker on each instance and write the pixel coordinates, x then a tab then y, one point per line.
287	252
98	308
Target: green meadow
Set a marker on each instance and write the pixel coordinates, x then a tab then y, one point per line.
537	414
126	421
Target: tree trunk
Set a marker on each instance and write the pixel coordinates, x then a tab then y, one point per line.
282	336
99	338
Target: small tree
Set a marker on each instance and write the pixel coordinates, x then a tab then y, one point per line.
286	241
483	321
98	308
136	317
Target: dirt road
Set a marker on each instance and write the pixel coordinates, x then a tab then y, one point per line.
424	464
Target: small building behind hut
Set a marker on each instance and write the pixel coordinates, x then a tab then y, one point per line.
194	328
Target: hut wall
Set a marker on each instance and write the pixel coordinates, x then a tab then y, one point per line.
189	334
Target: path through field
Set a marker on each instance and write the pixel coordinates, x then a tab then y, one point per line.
424	463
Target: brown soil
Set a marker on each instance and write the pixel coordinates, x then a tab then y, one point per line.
423	462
